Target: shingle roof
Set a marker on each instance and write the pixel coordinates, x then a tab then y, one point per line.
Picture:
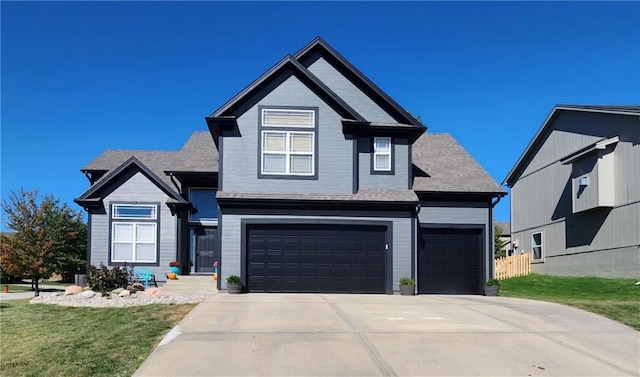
364	195
449	167
199	154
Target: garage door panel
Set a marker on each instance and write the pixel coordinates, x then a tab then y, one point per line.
450	260
316	258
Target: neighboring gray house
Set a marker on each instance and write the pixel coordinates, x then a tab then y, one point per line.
311	179
575	193
505	236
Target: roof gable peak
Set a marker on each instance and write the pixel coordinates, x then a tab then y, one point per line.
306	56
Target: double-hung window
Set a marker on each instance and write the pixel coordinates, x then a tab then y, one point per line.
134	233
382	154
536	246
287	142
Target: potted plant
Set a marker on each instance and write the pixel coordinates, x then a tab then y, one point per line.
175	267
407	286
491	287
234	284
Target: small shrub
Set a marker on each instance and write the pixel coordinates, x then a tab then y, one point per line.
407	281
234	279
104	280
492	282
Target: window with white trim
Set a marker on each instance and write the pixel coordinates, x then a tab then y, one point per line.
536	246
134	233
287	151
382	154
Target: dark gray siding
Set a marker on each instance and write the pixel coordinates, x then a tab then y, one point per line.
603	242
432	213
335	156
398	180
344	88
137	188
232	239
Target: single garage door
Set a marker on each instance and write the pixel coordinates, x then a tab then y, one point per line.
450	261
316	258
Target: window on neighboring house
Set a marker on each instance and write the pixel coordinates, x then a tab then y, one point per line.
536	246
382	154
205	207
285	148
134	233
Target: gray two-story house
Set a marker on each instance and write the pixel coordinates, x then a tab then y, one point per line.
310	179
575	193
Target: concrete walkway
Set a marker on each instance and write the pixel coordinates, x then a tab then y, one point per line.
378	335
21	295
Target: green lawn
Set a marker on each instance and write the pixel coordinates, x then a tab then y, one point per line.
618	299
50	340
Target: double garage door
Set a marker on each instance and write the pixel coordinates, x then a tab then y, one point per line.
323	258
450	261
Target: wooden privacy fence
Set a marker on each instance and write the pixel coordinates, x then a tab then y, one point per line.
515	265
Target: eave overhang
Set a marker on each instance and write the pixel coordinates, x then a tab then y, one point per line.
344	205
364	128
600	145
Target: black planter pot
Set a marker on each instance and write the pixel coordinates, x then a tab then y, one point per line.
234	289
407	290
491	290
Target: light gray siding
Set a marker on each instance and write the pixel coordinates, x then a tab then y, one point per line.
232	242
461	213
574	130
543	200
334	154
398	180
344	88
137	188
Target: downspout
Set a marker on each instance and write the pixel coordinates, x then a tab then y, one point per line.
416	228
491	237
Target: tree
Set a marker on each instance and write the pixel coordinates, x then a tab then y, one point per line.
48	237
498	244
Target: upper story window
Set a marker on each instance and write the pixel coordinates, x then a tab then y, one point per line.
288	142
205	207
382	156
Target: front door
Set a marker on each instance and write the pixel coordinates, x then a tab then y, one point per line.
206	248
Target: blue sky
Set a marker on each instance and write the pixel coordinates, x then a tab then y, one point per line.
82	77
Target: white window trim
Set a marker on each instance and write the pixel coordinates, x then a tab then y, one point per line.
312	112
378	153
533	255
134	242
205	222
288	153
115	216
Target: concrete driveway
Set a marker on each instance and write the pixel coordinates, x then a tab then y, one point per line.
379	335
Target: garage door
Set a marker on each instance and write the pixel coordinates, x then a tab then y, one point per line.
450	261
316	258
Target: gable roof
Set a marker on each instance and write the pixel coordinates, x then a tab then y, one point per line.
288	63
519	166
325	50
198	154
449	168
131	163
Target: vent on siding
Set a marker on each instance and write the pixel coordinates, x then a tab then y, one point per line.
288	118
